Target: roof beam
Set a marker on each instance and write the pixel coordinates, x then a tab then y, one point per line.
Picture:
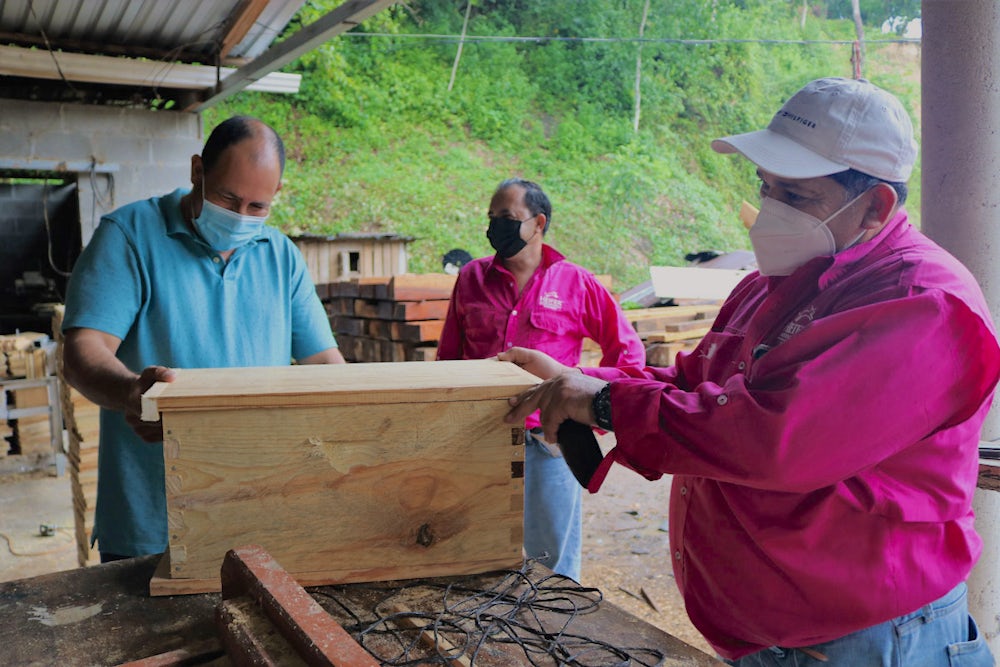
241	25
343	18
39	64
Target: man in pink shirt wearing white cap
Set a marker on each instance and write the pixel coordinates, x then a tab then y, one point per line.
824	435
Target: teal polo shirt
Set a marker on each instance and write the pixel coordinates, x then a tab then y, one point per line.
147	279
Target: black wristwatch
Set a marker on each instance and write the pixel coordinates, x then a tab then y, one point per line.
602	408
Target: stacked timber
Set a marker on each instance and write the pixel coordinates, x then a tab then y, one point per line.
81	419
400	318
396	318
671	329
25	355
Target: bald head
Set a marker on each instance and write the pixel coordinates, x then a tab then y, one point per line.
238	129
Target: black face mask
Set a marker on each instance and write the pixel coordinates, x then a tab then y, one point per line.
505	236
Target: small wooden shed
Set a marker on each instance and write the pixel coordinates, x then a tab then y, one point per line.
353	255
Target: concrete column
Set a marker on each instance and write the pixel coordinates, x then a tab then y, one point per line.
960	143
984	584
961	205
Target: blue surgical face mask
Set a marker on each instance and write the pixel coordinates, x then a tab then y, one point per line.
225	230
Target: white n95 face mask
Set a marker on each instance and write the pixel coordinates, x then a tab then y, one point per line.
785	238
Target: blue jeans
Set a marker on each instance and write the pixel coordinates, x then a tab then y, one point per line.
940	634
553	516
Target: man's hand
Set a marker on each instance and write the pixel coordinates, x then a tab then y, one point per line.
566	396
148	431
537	363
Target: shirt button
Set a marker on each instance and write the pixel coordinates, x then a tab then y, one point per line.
722	399
741	365
677	555
684	490
510	344
216	260
513	312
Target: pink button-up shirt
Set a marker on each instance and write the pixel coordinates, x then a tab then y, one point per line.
560	305
823	439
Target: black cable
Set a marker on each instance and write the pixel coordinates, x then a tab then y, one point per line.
468	620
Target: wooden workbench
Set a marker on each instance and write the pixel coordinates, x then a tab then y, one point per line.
103	615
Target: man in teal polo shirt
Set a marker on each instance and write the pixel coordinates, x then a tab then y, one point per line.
192	279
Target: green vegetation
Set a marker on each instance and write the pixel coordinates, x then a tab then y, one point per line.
377	142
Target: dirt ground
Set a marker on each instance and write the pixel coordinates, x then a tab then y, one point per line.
626	551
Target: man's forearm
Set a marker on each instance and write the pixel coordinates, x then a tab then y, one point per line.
96	372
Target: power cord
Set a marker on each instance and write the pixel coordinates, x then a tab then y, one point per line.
44	530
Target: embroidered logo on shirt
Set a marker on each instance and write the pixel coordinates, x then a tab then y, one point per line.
798	323
551	301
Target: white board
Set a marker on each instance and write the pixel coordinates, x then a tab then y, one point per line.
682	282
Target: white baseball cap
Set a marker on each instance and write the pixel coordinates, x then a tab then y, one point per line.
829	126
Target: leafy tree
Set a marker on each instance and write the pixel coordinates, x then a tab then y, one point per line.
877	12
377	141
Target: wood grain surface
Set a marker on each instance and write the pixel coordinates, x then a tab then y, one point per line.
345	384
417	485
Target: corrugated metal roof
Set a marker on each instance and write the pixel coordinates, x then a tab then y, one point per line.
162	52
188	30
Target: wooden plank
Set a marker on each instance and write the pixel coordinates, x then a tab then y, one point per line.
250	574
422	353
421	286
378	310
342	324
989	475
669	337
420	310
345	288
335	384
417	487
417	332
672	312
378	328
694	283
373	287
690	325
664	354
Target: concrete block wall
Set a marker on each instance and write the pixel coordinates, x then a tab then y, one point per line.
146	152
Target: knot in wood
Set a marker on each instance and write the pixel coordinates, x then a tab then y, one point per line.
425	536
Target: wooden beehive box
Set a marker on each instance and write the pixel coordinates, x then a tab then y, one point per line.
358	472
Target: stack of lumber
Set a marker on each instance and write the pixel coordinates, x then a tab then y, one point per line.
664	332
671	329
400	318
81	419
25	355
397	318
33	434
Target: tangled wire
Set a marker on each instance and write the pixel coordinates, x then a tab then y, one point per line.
467	621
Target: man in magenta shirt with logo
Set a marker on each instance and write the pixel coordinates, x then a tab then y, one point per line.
529	295
824	435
